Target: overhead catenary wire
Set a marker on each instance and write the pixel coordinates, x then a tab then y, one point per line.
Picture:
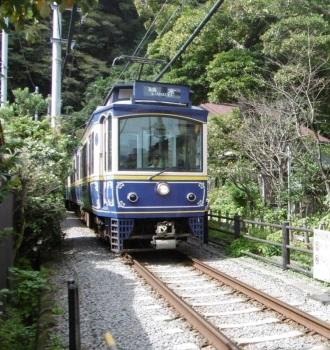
197	30
170	19
166	25
77	35
70	36
146	35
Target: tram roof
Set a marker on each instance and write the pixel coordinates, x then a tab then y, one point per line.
146	96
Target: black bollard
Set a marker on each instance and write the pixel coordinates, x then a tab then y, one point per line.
74	321
206	228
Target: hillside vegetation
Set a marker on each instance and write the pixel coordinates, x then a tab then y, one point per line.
271	58
270	158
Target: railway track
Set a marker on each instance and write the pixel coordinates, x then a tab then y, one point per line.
228	313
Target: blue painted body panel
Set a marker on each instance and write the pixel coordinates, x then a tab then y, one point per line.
109	199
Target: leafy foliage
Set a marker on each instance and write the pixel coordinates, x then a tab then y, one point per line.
100	35
269	56
38	168
21	11
232	74
17	327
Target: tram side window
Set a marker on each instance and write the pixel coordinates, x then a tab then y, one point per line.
91	154
103	142
77	170
84	162
72	175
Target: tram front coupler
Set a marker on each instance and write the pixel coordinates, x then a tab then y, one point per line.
165	235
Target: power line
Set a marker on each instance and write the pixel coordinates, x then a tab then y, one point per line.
78	33
139	70
146	35
170	18
70	35
191	38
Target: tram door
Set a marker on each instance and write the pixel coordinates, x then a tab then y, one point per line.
102	159
105	160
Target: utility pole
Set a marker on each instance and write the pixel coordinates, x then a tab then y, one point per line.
55	110
4	66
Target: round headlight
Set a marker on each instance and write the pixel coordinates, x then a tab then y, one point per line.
191	197
163	188
132	197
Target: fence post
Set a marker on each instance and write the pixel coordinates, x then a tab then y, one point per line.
74	321
285	243
237	226
306	238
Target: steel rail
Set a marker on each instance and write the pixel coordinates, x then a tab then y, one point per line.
310	322
212	334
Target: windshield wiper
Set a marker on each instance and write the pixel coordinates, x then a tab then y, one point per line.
163	171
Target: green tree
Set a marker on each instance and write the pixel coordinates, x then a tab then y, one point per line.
100	35
21	12
104	34
233	74
38	168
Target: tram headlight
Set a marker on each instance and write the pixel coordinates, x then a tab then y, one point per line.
163	188
191	197
133	197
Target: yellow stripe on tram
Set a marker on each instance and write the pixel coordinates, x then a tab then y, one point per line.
141	178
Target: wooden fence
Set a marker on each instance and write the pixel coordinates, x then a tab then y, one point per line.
290	237
6	241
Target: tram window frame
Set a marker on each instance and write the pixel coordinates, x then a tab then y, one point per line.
72	174
102	141
91	154
84	161
109	143
77	172
163	161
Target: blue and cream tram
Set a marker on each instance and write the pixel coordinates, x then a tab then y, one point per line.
140	174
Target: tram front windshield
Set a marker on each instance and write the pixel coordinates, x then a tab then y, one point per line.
160	142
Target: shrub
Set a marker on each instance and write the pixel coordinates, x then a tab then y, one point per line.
18	326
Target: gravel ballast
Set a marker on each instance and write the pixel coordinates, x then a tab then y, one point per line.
291	287
114	299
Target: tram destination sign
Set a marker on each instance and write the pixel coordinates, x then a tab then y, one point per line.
161	92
